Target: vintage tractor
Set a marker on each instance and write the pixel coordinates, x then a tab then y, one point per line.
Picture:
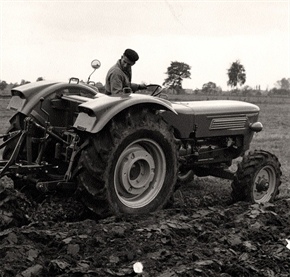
128	153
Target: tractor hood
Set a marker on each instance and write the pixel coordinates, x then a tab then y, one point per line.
212	118
214	107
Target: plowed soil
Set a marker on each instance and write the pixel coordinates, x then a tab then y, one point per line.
203	233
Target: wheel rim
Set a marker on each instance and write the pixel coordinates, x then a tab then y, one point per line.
139	173
264	184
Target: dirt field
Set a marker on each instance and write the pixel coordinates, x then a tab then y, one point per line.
202	234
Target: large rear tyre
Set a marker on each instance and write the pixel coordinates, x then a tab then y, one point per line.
131	166
257	178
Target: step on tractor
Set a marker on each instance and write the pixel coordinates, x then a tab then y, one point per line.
128	153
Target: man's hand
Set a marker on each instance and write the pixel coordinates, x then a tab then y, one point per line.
142	87
127	90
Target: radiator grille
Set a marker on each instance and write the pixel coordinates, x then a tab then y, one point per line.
228	123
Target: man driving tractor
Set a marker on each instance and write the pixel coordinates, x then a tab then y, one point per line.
119	76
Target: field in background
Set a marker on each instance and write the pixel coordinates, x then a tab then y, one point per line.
275	137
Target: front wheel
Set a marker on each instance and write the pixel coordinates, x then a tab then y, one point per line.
257	178
131	166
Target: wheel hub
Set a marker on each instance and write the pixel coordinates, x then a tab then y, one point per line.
137	170
140	173
262	184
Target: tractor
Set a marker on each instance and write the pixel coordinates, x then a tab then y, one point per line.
128	153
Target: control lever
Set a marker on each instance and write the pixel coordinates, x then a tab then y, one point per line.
45	112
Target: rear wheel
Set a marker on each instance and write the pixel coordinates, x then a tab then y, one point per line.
258	178
139	173
131	166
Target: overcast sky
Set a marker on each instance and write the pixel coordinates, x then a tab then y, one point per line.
59	39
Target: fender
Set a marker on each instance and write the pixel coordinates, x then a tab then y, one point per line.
26	97
96	113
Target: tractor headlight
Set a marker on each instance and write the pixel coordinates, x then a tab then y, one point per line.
256	127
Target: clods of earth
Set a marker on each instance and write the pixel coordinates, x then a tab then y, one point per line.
201	234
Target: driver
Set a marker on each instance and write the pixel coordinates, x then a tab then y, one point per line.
119	76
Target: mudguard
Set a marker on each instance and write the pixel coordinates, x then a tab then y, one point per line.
96	113
44	101
26	97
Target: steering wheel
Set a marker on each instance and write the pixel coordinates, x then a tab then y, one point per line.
155	90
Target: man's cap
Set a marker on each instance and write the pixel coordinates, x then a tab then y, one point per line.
131	55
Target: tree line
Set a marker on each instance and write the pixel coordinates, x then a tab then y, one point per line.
177	71
4	84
